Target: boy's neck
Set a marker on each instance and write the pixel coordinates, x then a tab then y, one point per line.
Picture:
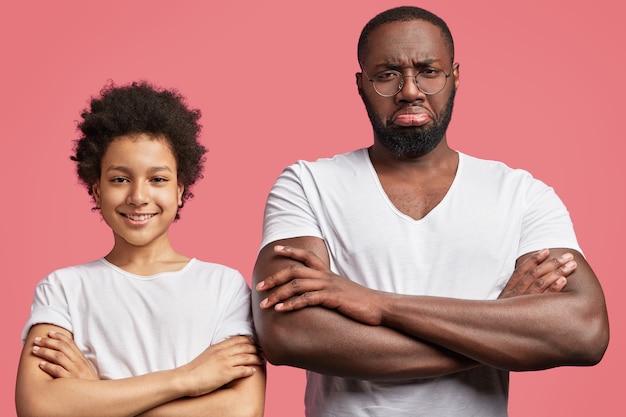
147	260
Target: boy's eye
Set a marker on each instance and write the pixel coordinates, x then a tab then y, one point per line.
119	179
159	179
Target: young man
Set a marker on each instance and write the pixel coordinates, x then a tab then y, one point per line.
409	278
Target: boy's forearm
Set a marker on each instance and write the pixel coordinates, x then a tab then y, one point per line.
244	397
67	397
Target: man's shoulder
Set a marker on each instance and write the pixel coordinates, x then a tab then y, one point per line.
493	176
489	167
348	161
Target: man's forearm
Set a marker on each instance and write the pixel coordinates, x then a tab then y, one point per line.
540	326
326	342
526	332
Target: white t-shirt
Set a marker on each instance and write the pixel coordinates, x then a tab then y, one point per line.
466	247
129	325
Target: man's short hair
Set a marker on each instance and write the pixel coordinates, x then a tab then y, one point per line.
403	14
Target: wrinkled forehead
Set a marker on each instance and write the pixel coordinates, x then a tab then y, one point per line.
407	42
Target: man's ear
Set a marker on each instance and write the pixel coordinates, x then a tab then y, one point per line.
456	75
359	82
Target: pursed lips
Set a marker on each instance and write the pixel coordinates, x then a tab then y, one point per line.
411	116
410	110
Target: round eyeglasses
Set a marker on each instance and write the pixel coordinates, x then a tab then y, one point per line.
390	82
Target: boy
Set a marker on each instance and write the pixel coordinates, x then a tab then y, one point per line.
144	330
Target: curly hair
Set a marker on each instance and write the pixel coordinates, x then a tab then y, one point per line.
135	109
402	14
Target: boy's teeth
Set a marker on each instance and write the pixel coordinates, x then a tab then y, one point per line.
139	217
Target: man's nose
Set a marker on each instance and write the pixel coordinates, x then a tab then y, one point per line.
409	91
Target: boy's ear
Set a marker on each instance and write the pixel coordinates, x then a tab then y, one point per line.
181	189
95	191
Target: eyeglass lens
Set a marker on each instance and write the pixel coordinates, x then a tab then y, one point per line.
390	83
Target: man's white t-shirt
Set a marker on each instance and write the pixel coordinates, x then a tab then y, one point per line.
466	247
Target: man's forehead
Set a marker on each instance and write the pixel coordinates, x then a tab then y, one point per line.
417	31
415	39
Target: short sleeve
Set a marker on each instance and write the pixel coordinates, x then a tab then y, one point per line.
49	306
546	222
236	314
288	212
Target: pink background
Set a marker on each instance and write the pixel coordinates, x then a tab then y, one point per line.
542	88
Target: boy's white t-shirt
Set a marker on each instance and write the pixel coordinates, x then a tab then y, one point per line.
129	325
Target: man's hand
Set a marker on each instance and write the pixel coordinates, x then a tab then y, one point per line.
537	273
311	283
62	358
218	365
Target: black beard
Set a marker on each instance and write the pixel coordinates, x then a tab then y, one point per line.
410	142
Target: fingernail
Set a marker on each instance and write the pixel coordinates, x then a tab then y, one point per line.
561	281
35	348
263	303
279	247
569	266
260	285
37	339
566	257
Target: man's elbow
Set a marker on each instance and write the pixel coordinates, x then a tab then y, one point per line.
276	349
594	342
583	340
276	336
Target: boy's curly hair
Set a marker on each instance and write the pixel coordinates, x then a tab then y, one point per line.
135	109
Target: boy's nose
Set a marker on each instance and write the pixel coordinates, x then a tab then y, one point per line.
138	195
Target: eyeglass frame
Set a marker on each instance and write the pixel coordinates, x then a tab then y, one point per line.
402	77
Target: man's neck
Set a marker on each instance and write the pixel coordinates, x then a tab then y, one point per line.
440	158
416	185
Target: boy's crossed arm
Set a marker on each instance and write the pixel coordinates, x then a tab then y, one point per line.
57	379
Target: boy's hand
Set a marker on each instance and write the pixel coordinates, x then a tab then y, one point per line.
220	364
62	358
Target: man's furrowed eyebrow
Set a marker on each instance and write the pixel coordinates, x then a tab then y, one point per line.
397	67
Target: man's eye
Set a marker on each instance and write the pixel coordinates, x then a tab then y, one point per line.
387	76
430	72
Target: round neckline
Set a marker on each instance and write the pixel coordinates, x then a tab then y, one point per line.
147	277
